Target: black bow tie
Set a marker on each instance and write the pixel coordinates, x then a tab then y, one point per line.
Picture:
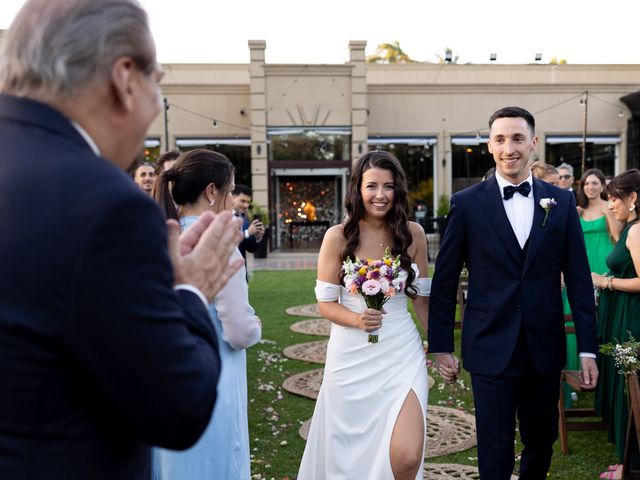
523	188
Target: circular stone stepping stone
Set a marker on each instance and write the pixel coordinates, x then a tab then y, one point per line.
313	326
309	310
449	430
450	471
314	352
306	384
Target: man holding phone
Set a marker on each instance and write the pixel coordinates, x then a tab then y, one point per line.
253	230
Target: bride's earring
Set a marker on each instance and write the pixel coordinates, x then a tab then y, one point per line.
212	202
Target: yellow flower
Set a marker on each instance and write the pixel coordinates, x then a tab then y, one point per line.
362	271
387	262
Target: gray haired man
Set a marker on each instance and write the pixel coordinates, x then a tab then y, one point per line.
106	345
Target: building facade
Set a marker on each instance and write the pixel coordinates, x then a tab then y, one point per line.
294	130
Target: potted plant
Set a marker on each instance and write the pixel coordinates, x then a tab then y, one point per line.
442	212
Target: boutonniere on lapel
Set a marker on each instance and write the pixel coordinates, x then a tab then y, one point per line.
547	204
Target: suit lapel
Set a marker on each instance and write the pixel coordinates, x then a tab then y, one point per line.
538	232
494	210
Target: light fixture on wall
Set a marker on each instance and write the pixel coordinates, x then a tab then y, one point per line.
258	149
242	112
448	56
493	57
538	57
359	149
215	124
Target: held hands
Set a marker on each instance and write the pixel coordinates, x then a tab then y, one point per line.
448	366
256	229
200	256
370	320
589	373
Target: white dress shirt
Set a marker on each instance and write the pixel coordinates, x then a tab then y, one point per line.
519	209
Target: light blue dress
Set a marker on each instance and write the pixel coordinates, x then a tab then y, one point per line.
223	450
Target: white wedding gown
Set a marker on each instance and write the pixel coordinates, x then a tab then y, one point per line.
363	390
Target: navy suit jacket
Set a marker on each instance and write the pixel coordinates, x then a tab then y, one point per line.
248	244
99	356
506	294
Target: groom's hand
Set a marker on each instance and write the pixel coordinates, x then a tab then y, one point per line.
448	366
589	373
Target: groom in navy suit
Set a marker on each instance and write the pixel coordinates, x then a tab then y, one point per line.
513	339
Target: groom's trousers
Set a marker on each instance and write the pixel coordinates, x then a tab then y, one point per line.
523	392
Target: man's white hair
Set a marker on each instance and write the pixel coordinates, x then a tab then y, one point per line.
59	46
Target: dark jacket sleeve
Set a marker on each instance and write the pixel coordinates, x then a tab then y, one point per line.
151	349
577	277
446	275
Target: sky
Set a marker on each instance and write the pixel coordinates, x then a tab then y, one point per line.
300	31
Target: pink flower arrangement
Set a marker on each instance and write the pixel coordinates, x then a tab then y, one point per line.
376	280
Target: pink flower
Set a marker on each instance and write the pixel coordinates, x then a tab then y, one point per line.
370	287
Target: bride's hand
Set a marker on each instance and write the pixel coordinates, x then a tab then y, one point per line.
370	320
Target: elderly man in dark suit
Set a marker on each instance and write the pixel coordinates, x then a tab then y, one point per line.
516	235
106	346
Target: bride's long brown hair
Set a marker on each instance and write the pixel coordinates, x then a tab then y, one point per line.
397	218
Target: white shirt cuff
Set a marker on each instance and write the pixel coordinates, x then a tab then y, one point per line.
191	288
246	233
587	355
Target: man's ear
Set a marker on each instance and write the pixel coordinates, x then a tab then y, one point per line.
122	77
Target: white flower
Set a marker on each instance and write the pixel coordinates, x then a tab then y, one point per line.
547	203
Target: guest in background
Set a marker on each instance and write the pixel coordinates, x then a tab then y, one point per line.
601	230
566	177
489	173
106	345
545	172
144	176
166	161
619	307
202	181
253	230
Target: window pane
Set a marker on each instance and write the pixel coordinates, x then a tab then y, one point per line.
417	163
309	145
600	156
470	163
238	155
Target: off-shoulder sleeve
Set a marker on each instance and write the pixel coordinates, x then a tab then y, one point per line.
423	285
327	292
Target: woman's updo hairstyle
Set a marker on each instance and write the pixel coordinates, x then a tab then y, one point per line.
187	179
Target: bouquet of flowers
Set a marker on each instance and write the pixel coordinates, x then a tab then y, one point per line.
625	354
376	280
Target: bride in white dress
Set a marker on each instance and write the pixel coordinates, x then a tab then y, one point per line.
369	420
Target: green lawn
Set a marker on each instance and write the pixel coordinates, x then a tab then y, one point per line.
276	415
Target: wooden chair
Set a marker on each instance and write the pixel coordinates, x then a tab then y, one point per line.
633	428
572	378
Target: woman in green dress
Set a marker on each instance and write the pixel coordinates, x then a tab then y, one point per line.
601	231
619	306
